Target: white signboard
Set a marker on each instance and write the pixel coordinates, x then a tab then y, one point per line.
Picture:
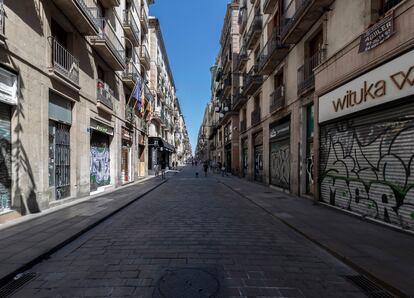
386	83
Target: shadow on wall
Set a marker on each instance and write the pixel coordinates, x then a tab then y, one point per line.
29	12
25	199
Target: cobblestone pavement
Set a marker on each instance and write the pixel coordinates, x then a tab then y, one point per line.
193	234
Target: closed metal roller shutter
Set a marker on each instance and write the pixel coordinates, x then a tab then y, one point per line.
5	157
367	165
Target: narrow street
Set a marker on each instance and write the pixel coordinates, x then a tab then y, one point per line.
191	237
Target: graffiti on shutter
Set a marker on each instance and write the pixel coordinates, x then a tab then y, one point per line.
367	165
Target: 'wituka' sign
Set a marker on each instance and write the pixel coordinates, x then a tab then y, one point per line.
386	83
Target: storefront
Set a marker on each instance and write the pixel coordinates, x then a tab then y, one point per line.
258	156
141	153
366	144
100	168
279	140
126	155
8	98
245	157
60	121
159	152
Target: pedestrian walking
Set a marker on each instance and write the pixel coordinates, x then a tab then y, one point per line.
223	170
156	170
192	163
196	163
205	166
163	167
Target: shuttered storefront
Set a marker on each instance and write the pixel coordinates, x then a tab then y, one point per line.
5	157
367	164
280	154
258	156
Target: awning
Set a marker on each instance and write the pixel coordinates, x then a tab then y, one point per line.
160	143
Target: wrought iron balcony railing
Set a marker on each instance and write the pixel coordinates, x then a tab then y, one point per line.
129	21
273	52
277	99
63	62
107	33
131	71
105	94
254	31
292	13
253	81
306	76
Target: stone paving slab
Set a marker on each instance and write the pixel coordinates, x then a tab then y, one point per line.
382	253
196	225
27	242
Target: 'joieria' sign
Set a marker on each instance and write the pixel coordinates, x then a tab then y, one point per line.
386	83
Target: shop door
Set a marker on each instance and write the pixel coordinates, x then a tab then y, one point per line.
125	164
280	163
228	161
367	165
5	158
100	160
258	163
59	159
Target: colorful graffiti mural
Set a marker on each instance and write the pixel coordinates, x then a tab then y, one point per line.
100	166
369	169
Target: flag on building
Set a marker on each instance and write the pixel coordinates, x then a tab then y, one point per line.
136	94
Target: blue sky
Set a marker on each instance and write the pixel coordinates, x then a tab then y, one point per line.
191	30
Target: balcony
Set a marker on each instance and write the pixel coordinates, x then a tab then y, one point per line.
82	13
144	20
306	76
254	32
130	74
64	64
277	99
242	17
242	58
109	3
269	6
254	81
272	54
243	126
238	99
104	97
131	28
145	57
255	117
130	114
299	16
107	44
148	94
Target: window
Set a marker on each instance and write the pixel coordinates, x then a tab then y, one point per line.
59	34
8	87
387	5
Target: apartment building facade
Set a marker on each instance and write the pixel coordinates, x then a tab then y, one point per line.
166	126
74	103
222	127
324	107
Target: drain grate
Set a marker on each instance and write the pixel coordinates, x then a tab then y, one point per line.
370	288
18	281
187	283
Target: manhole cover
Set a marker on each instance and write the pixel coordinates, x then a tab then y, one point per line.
187	283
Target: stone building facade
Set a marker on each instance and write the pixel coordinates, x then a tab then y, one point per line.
325	107
72	119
